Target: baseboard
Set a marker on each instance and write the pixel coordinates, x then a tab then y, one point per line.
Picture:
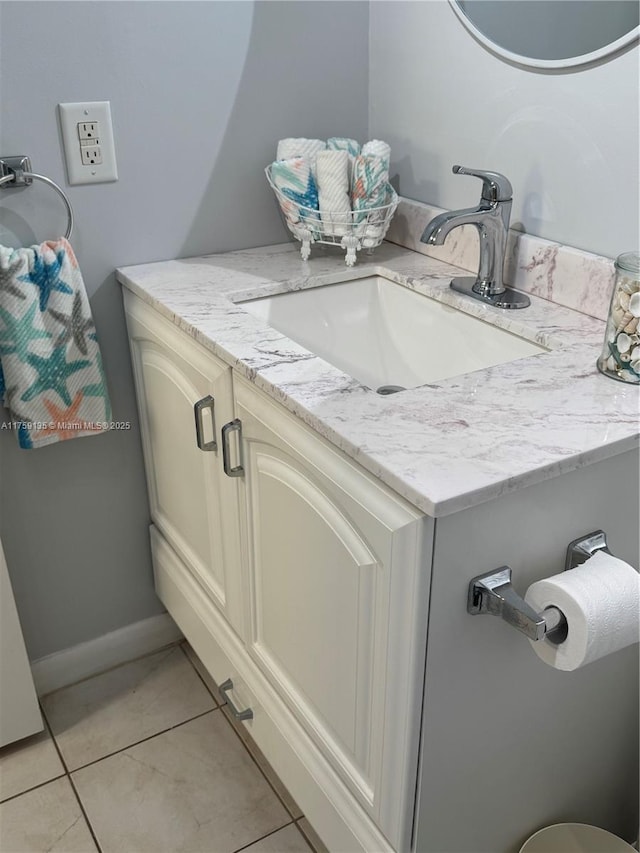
86	659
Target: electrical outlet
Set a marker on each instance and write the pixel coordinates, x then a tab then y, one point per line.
91	155
87	137
87	130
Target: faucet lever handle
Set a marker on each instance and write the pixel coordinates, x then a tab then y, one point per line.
495	187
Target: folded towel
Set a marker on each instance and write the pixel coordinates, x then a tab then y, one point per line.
341	143
378	148
333	191
295	182
369	190
307	148
52	378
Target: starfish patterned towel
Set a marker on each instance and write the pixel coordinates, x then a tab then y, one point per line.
294	180
51	376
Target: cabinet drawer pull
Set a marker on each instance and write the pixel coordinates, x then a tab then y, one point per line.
229	470
206	403
247	714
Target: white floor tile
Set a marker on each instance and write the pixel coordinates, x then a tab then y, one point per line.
45	820
121	707
28	763
193	789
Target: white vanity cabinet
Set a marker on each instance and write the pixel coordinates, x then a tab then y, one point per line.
335	587
319	617
192	503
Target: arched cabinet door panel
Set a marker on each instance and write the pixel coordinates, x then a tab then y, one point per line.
192	503
330	555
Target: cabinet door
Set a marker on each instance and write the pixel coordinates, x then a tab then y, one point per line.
192	503
336	604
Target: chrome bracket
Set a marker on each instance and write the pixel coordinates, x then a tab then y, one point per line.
15	166
581	549
493	593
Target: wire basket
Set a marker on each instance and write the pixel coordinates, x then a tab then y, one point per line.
352	231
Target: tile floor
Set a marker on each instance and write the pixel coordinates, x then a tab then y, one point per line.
145	758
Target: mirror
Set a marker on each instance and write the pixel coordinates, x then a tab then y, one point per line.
551	33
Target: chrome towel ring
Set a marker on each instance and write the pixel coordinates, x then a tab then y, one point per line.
16	172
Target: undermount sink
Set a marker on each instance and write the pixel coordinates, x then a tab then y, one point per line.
387	336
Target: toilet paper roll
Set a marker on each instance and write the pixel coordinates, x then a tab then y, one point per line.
601	602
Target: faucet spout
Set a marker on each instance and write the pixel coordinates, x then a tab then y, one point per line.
437	230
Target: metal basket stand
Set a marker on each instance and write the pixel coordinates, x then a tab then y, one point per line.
352	231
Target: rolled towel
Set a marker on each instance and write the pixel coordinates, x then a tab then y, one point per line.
307	148
341	143
332	168
294	181
377	148
369	190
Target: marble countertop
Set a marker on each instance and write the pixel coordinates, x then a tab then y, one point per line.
444	446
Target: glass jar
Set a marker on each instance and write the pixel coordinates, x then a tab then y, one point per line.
620	357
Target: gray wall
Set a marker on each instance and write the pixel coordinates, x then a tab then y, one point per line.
200	93
568	141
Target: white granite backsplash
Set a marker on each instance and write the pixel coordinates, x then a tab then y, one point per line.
561	274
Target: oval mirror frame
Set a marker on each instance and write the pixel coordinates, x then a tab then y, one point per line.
530	62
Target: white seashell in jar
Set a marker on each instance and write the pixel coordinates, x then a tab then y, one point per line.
634	304
629	286
623	342
635	352
626	318
616	315
635	365
626	357
631	326
623	300
611	364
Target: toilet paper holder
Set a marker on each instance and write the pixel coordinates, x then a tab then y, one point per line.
493	593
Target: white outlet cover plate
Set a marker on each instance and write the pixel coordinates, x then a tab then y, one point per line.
70	116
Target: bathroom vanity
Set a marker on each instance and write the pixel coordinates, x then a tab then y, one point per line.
314	541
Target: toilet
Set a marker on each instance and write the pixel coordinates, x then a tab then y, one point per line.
575	838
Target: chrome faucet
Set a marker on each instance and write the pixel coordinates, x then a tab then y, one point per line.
491	218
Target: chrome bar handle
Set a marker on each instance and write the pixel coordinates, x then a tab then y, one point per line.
232	470
247	714
495	187
207	402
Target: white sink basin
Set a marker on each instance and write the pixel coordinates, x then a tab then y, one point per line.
384	334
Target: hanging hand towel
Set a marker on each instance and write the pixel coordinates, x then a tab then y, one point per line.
51	376
333	191
369	190
295	182
341	143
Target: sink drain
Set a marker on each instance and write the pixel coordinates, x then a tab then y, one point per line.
390	389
